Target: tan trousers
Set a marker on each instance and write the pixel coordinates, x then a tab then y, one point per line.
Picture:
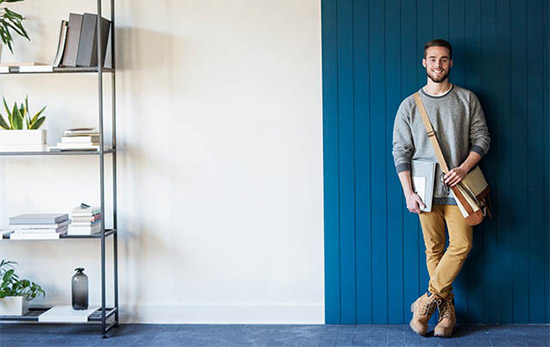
444	266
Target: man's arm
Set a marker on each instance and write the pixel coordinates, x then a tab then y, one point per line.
479	140
414	203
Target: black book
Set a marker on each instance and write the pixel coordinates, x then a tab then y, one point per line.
87	49
73	38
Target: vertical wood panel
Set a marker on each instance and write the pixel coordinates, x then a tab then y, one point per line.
394	203
488	100
330	162
374	250
378	160
362	162
346	164
520	235
412	254
457	38
472	80
535	144
505	164
440	19
546	26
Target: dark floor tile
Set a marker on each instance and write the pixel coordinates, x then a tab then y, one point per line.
481	342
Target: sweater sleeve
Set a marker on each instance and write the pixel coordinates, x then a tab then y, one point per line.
479	133
403	145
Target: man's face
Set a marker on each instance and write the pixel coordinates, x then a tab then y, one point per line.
437	63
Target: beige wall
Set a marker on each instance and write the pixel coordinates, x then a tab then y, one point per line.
220	160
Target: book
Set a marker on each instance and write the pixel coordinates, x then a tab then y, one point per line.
23	148
23	63
87	218
40	226
80	132
34	236
66	314
39	218
80	139
74	28
85	210
61	230
16	67
423	181
34	68
84	230
87	48
77	144
60	149
61	43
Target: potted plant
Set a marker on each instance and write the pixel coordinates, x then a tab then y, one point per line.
18	118
10	21
15	293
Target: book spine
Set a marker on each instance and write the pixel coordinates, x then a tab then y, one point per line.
73	40
88	43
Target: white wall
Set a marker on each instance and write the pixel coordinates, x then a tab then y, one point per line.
220	160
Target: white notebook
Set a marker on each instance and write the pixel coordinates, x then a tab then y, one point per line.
423	180
66	314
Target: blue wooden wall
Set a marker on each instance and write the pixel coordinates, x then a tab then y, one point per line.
374	251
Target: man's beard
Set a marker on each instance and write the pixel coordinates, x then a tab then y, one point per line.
438	79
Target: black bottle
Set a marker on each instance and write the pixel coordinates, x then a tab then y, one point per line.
80	290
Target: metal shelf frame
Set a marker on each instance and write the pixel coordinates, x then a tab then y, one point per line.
104	313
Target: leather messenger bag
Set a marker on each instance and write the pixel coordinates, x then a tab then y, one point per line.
472	194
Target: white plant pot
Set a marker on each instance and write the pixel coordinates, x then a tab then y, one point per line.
22	140
13	306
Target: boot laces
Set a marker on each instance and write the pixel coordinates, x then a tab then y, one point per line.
430	306
447	310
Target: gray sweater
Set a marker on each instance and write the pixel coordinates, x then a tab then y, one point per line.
460	127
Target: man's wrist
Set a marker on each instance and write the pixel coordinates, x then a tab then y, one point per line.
465	167
409	193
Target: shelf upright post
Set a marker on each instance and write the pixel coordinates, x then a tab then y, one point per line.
101	167
113	112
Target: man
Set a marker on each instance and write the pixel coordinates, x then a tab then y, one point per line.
459	124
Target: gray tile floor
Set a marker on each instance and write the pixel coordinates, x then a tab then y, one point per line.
268	335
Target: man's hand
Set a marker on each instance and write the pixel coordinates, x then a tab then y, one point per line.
455	176
414	203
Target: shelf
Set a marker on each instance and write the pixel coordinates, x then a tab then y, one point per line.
108	233
48	153
34	313
58	70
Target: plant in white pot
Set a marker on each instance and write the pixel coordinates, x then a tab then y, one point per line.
20	132
15	293
10	21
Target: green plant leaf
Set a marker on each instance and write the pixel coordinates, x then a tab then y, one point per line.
12	14
8	275
3	125
38	123
17	118
37	115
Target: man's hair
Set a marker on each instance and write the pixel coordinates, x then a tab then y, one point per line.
439	43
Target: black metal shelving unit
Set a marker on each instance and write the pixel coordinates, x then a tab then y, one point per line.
106	317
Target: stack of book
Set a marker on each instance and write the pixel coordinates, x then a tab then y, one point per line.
25	67
38	226
78	139
85	220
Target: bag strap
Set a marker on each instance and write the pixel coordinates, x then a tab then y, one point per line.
431	133
440	158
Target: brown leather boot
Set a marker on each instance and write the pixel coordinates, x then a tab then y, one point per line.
422	310
447	318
